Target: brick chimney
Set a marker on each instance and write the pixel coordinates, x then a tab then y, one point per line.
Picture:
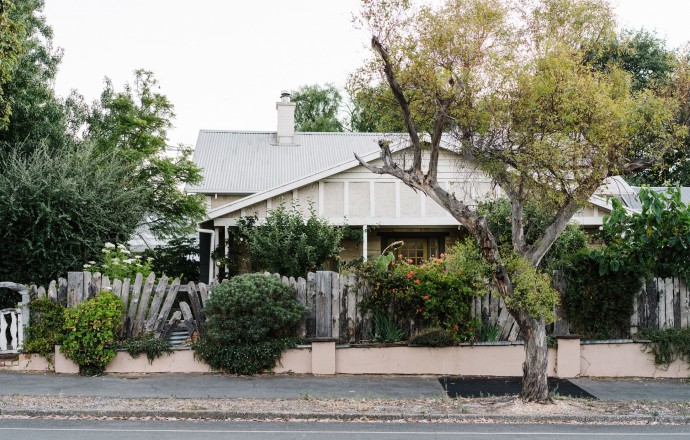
286	118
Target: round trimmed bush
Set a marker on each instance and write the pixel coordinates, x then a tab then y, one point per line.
251	320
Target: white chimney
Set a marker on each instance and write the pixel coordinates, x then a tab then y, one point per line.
286	118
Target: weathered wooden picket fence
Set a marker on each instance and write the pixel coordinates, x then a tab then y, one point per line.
147	304
332	301
662	303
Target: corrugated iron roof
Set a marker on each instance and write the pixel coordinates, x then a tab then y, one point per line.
251	161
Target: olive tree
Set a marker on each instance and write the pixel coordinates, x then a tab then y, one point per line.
509	83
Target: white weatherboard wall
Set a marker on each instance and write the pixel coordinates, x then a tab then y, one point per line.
358	197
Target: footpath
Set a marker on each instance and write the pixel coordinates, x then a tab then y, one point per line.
360	398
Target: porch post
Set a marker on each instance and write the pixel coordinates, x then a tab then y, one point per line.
365	242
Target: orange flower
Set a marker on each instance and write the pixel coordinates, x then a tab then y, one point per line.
416	281
392	263
426	297
410	275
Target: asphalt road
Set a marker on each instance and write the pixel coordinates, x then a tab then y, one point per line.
20	429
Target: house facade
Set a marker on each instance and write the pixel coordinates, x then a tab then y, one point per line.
250	173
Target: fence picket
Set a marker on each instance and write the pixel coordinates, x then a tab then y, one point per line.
167	305
133	304
138	324
52	291
117	288
203	294
156	304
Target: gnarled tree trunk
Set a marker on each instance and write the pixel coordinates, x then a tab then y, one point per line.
535	385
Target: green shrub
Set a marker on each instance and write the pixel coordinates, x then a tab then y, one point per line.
57	210
385	329
598	302
433	337
147	343
287	244
668	345
251	320
90	332
437	293
45	330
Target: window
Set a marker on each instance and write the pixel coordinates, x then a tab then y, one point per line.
417	247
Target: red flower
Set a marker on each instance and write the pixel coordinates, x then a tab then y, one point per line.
410	275
425	296
416	281
409	261
421	310
455	327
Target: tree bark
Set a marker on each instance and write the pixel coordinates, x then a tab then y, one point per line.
535	387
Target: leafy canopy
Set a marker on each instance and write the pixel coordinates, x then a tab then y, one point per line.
657	239
317	108
133	125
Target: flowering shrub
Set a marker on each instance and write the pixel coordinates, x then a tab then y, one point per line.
437	293
118	262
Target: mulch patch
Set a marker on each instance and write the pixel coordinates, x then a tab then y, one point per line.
479	386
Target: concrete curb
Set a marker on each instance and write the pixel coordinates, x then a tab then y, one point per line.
459	418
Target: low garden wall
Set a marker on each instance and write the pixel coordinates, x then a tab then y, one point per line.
572	358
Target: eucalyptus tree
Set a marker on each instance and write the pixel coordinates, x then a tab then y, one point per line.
509	82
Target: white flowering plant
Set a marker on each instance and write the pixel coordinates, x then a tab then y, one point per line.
117	261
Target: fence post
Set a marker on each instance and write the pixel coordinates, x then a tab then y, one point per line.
323	302
75	288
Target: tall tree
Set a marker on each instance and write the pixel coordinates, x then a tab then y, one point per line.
10	48
639	52
509	82
37	115
133	124
651	65
317	108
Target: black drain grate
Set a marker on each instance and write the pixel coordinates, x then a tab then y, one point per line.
477	386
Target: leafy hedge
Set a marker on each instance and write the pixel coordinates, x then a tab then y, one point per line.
251	320
598	303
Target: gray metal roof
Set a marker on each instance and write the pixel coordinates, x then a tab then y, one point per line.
252	161
684	192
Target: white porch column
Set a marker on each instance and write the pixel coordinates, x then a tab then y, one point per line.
365	242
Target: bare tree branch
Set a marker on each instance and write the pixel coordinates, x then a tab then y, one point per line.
397	90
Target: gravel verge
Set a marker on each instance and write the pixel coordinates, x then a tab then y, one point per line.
478	410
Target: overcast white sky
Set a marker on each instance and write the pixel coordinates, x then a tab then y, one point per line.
223	63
